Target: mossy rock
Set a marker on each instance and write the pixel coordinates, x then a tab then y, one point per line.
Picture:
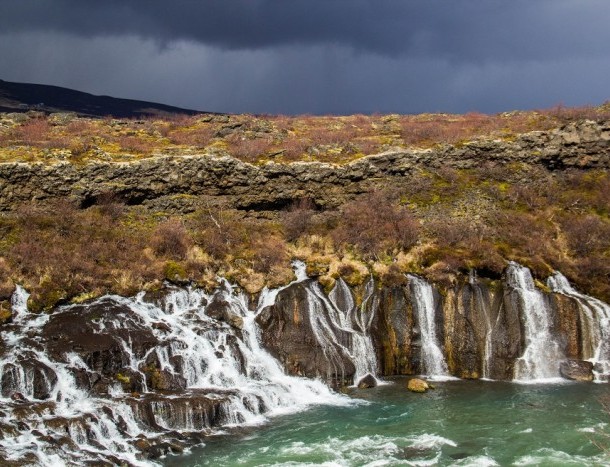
6	314
418	385
46	300
174	272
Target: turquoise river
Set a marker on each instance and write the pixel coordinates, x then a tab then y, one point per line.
475	423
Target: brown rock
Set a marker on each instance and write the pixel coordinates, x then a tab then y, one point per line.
163	380
367	382
417	385
576	370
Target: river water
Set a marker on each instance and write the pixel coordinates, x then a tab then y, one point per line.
459	423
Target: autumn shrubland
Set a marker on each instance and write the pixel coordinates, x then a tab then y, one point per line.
440	224
257	139
462	221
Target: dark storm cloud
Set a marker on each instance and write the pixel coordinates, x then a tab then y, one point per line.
459	30
319	56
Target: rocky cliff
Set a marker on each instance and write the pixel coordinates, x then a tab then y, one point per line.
120	380
159	180
480	328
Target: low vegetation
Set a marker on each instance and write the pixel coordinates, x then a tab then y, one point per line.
439	224
65	137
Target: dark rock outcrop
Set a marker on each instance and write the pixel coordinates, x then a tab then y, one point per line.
577	370
289	335
367	382
97	332
582	145
392	331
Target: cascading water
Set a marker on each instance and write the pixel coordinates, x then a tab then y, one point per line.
70	405
485	308
357	321
432	358
542	354
341	328
595	326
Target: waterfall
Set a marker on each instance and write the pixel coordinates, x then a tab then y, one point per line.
202	350
341	328
485	308
432	358
542	354
595	326
357	321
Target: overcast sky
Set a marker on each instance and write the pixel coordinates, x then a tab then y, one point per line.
316	56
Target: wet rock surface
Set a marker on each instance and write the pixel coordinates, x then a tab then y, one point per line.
577	370
117	381
290	330
134	379
393	332
367	382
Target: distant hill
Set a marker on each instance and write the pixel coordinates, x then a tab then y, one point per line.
21	97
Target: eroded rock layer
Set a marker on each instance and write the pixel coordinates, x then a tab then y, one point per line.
272	186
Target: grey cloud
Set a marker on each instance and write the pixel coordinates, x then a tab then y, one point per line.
315	56
467	30
299	79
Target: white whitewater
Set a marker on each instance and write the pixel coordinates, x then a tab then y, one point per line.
341	328
485	308
212	356
595	326
542	355
432	358
358	321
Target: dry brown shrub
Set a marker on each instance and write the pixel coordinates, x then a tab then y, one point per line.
199	137
79	127
297	219
34	132
248	149
454	231
219	231
586	234
136	144
110	204
171	239
564	114
62	252
522	235
294	148
267	252
375	224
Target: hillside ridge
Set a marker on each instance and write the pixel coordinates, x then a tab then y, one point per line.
23	97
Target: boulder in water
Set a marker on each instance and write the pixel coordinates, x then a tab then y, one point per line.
163	380
577	370
367	381
417	385
18	397
220	310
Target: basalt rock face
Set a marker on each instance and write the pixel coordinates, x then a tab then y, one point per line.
482	328
577	370
393	332
128	379
271	186
293	336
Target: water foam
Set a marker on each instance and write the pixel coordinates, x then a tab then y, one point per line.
228	364
542	354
